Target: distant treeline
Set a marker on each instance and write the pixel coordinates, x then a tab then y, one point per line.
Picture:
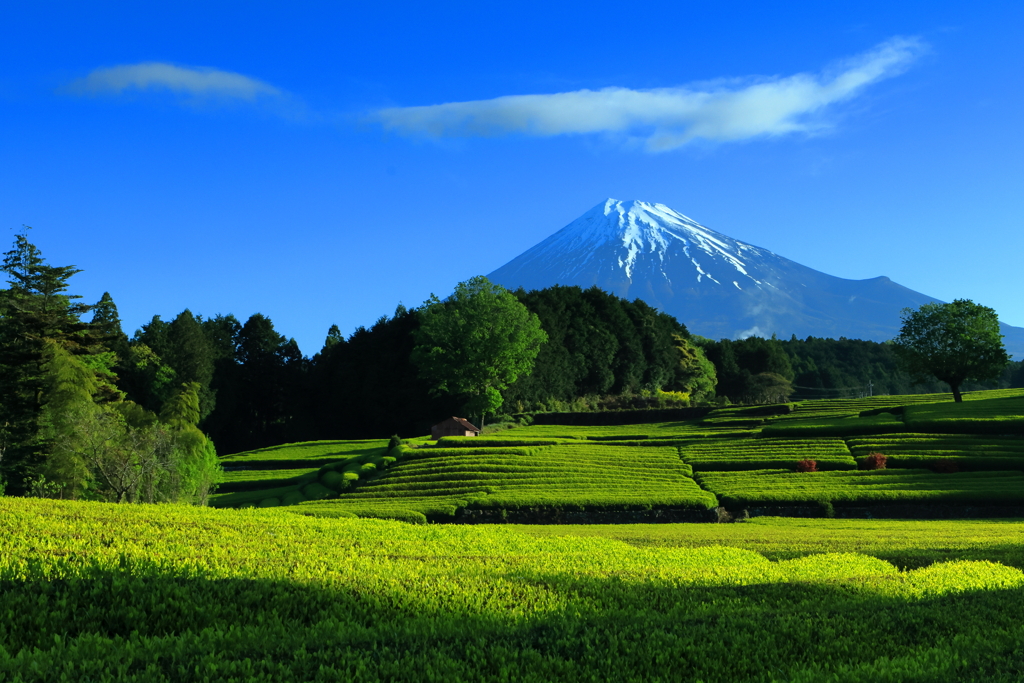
823	368
259	390
603	352
255	387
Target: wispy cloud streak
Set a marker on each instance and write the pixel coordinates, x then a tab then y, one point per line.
196	81
665	118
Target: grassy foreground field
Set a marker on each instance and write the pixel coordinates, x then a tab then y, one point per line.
99	592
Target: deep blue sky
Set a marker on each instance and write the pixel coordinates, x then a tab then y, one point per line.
263	157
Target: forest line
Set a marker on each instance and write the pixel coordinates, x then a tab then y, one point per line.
244	385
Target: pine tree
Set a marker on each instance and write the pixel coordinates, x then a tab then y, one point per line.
190	354
107	322
35	310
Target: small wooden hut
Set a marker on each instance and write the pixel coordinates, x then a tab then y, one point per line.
453	426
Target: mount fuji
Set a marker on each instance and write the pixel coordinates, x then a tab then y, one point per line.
716	285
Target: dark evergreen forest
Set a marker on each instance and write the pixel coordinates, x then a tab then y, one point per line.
252	386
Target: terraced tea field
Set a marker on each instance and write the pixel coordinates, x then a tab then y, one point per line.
740	456
92	591
293	473
437	481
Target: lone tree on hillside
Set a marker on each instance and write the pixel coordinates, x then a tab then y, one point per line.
954	342
476	342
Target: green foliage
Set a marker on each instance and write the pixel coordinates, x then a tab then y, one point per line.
842	426
606	432
294	497
908	544
696	374
316	491
476	342
461	450
41	487
969	452
250	479
68	390
580	475
335	481
118	451
182	408
285	470
477	442
994	416
35	312
260	385
598	345
757	454
780	487
146	378
953	342
36	302
751	370
501	471
160	590
308	454
190	354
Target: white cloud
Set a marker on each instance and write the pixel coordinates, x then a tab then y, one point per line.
666	118
198	81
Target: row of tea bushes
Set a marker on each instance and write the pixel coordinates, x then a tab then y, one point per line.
353	460
993	416
965	452
867	406
581	475
859	488
758	454
304	454
938	444
96	592
882	423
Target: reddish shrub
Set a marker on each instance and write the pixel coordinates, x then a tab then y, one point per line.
874	461
807	466
945	466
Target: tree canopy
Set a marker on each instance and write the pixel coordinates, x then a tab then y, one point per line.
954	342
476	342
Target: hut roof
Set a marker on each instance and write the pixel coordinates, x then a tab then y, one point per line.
465	423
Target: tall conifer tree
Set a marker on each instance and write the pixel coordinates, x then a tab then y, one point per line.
34	310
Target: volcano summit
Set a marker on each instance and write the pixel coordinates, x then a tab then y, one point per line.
717	286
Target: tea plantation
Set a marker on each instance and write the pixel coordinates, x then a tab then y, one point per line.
294	584
99	592
942	459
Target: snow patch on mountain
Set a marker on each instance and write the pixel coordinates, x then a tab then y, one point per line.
653	233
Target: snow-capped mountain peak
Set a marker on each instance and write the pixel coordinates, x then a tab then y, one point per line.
716	285
641	239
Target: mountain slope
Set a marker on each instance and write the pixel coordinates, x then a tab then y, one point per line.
716	285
